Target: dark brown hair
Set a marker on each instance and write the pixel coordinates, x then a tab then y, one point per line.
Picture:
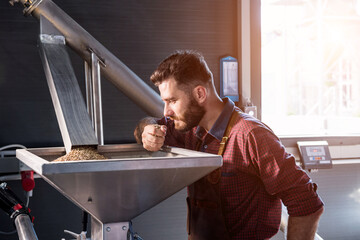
187	67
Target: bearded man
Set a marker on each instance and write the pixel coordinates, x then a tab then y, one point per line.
242	199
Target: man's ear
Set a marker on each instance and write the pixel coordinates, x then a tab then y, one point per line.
200	94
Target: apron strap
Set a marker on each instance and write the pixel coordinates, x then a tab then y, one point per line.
225	138
214	176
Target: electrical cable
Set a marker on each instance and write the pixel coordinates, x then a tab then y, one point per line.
8	233
28	195
12	146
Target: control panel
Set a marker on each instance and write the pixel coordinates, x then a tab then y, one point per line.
314	154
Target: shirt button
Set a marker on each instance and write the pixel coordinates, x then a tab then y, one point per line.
205	146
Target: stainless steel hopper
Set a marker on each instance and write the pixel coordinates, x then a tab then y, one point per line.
129	182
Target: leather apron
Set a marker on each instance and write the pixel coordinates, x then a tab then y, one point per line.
205	215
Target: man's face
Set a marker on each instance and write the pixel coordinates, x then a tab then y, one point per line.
180	106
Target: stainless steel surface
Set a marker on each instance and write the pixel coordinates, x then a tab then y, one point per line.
73	119
97	105
89	91
130	182
115	71
24	227
110	231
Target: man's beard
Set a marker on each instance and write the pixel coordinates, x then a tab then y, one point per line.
191	117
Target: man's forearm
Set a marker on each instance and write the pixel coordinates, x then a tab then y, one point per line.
303	228
140	127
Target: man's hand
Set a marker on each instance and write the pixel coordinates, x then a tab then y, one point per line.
153	137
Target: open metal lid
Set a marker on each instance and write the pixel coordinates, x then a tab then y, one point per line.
131	181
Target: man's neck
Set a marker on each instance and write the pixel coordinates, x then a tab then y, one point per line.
213	110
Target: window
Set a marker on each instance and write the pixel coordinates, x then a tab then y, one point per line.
310	67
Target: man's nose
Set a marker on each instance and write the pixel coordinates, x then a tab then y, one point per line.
167	111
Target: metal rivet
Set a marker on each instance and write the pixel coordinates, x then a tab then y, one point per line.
124	228
108	229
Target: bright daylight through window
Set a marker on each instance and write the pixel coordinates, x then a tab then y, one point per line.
311	66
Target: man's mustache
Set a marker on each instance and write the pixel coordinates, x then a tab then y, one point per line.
173	118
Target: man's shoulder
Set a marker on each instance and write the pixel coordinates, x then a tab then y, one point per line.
246	123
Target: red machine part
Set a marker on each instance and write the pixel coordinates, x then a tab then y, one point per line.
27	180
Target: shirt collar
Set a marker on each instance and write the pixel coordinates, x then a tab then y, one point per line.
219	127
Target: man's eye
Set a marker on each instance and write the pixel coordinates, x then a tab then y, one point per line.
172	101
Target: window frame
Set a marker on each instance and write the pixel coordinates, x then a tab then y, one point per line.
250	74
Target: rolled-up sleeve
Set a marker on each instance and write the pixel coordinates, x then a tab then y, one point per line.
280	175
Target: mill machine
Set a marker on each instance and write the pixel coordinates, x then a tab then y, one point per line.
131	180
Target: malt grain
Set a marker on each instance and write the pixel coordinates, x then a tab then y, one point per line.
81	153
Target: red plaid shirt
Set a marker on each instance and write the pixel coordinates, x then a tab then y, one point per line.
257	173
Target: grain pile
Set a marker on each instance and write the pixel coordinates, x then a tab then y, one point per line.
80	153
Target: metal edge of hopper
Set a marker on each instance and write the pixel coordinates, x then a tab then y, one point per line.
184	159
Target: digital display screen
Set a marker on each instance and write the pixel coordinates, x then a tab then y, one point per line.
315	155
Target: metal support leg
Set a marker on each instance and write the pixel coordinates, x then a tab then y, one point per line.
109	231
93	95
89	92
